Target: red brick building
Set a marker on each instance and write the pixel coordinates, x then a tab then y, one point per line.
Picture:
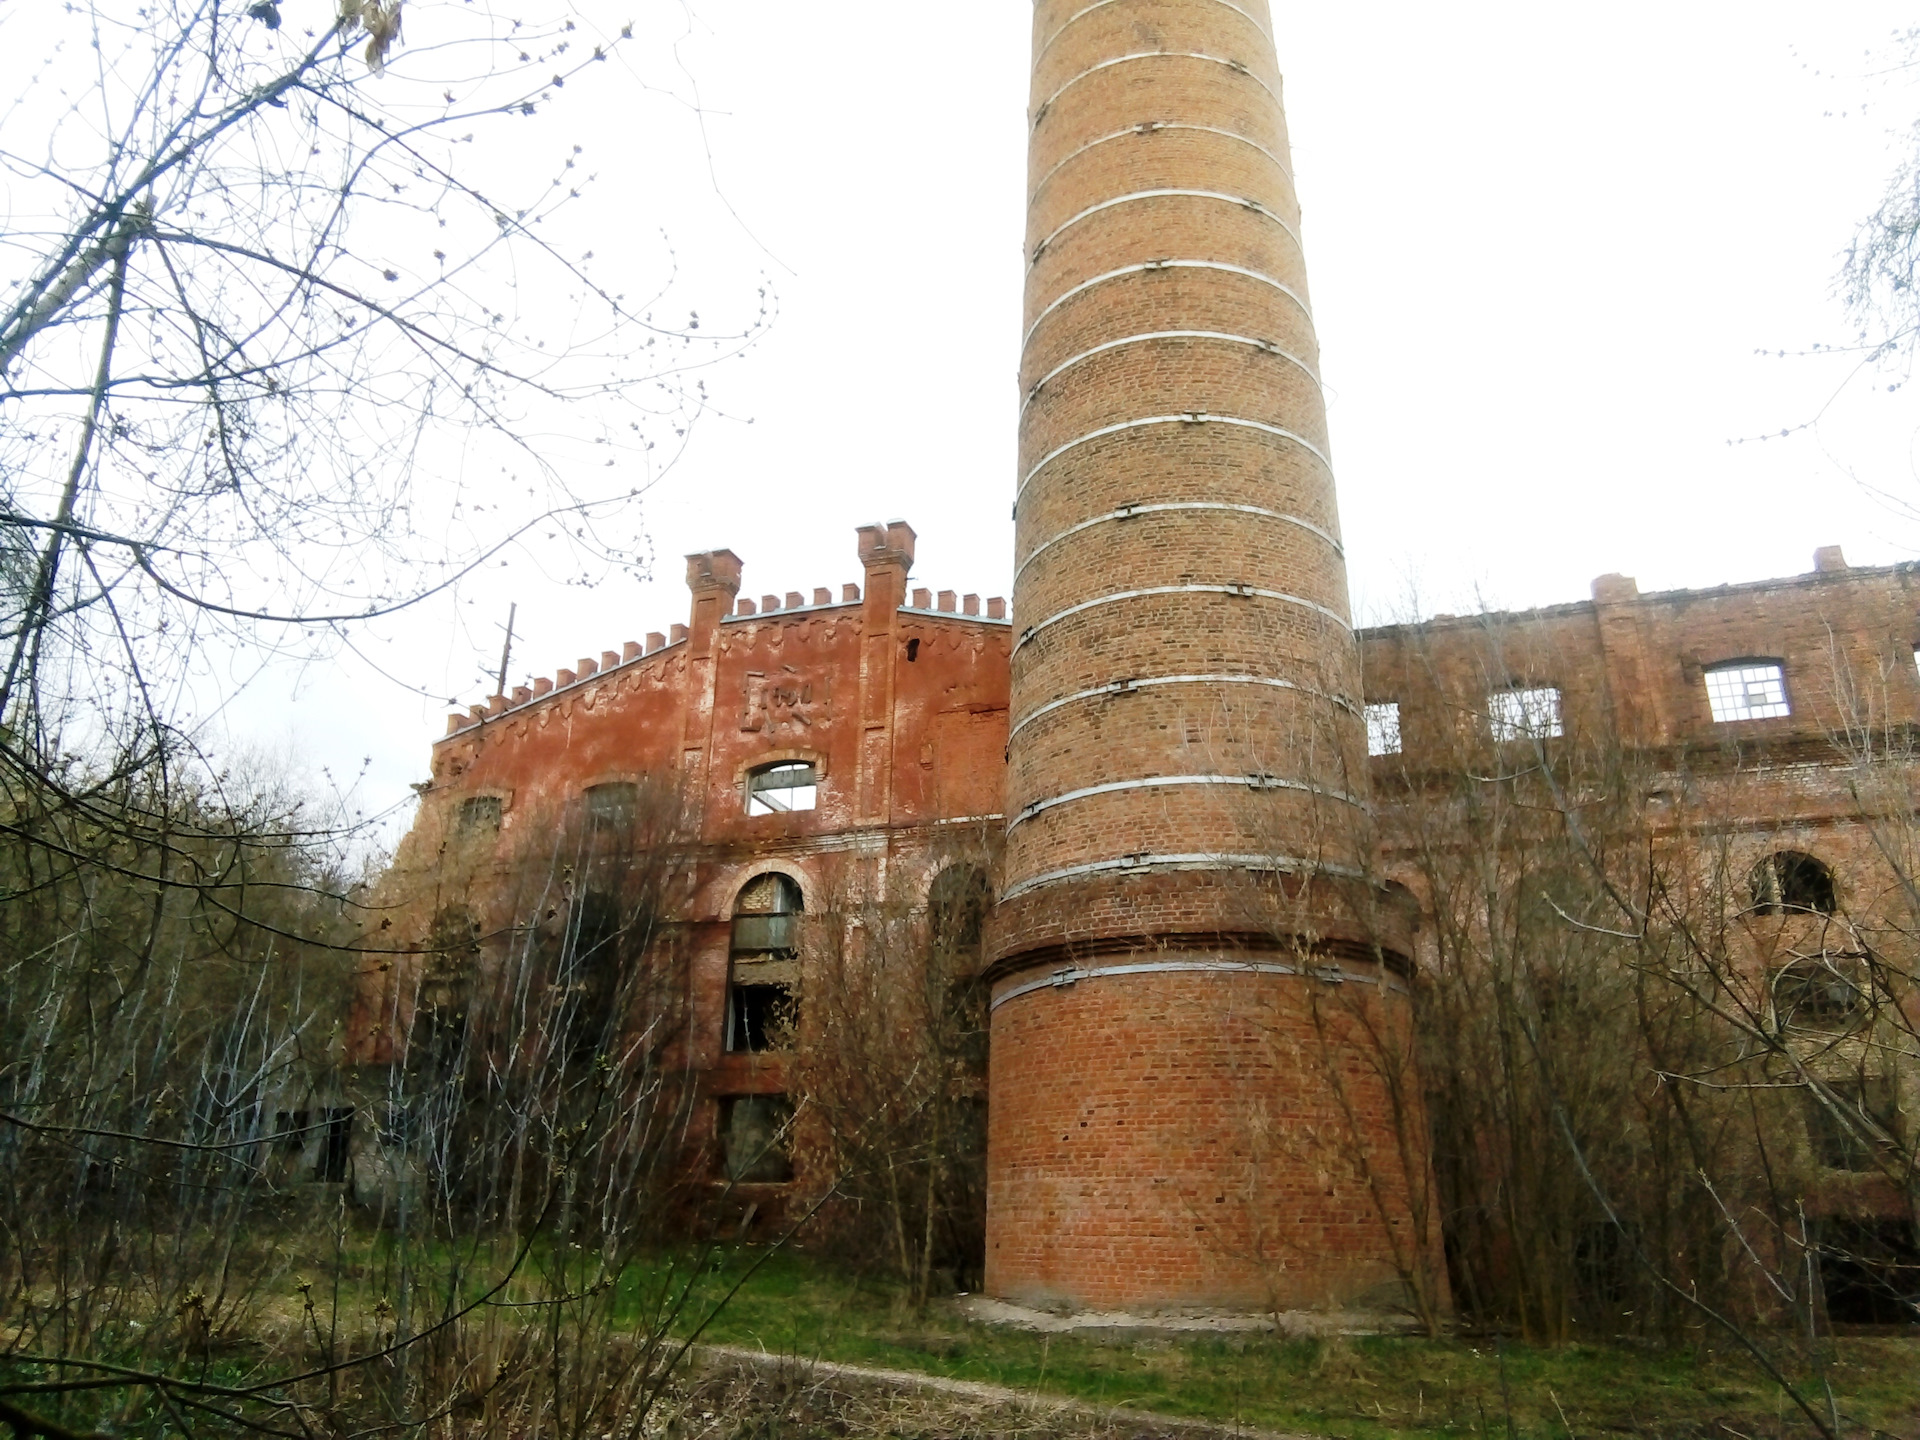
1163	754
894	704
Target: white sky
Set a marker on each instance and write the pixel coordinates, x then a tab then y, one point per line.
1545	244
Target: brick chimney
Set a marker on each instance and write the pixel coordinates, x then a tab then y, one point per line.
1184	679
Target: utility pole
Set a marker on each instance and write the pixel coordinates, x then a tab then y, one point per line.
506	650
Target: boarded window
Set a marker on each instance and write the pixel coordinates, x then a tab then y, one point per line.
753	1139
1383	728
1752	690
779	789
1789	881
480	815
1524	714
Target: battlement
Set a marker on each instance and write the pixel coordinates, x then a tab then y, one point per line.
886	552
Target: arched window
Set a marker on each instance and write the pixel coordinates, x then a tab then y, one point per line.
763	984
1789	881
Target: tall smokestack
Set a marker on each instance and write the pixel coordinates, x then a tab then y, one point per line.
1187	770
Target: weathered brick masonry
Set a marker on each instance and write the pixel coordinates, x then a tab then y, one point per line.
1205	1095
1168	736
1184	700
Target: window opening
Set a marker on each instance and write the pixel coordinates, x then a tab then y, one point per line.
753	1139
957	905
336	1145
590	974
1747	692
913	650
1525	714
1383	728
1869	1270
1849	1125
1789	881
1819	995
777	789
762	1008
610	808
479	814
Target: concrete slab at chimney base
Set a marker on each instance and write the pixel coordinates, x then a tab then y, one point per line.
1117	1325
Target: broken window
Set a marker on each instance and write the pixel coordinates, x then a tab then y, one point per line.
1788	881
776	789
1823	994
1525	714
480	815
1851	1120
610	808
1751	690
1383	728
753	1139
765	970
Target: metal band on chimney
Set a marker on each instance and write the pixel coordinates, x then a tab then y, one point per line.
1152	420
1237	66
1068	23
1129	512
1074	974
1148	267
1239	202
1128	687
1245	592
1160	782
1198	860
1265	347
1154	127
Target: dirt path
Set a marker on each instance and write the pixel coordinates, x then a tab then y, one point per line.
1105	1420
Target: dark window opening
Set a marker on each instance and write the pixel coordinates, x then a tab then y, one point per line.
439	1030
611	808
1824	994
913	650
753	1139
762	1008
1869	1271
336	1145
480	814
1789	881
1853	1122
760	1017
589	975
452	940
957	905
779	789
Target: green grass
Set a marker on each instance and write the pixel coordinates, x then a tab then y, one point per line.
1368	1388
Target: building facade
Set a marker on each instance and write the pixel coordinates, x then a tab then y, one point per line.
824	750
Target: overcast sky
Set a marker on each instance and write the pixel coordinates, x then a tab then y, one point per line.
1554	253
